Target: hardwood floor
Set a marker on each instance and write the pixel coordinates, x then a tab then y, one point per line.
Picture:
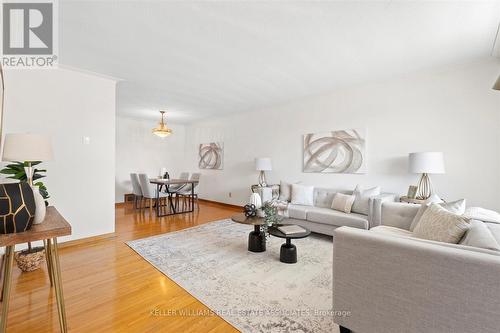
109	288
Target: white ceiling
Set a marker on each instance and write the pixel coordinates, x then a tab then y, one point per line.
200	59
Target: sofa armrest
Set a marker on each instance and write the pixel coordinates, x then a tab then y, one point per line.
375	207
392	284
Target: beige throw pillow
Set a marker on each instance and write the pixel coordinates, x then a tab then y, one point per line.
456	207
438	224
343	202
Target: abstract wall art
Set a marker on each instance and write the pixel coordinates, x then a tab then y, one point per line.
335	152
211	155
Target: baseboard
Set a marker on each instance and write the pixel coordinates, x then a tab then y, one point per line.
221	203
87	240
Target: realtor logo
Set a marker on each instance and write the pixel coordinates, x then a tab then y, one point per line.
28	31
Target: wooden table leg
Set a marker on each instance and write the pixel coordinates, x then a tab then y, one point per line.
58	285
48	259
7	280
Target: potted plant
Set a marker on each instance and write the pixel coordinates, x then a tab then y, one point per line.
30	259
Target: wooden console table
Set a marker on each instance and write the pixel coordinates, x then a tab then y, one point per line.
52	227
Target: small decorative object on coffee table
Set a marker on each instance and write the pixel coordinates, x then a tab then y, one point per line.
256	238
250	210
288	251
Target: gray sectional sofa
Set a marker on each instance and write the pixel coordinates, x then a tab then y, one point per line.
391	282
322	219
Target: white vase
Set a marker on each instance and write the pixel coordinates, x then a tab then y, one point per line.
256	200
40	209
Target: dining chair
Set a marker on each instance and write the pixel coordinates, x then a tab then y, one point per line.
149	190
175	188
185	192
136	190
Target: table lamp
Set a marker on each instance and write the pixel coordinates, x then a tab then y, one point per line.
426	163
263	164
27	147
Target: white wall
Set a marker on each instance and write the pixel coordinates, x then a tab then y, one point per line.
453	110
138	150
68	105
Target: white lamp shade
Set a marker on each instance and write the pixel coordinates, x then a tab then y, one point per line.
27	147
263	164
426	162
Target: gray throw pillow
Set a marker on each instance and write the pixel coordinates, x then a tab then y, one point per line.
456	207
362	199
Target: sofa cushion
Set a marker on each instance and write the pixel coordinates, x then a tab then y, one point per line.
361	202
479	235
333	217
393	231
297	211
438	224
302	195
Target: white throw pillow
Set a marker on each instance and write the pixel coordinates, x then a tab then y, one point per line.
479	235
302	195
343	202
482	214
286	191
456	207
438	224
360	205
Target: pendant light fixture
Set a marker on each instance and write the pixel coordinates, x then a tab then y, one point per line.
162	130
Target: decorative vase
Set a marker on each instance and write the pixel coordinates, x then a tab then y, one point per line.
40	210
17	207
256	200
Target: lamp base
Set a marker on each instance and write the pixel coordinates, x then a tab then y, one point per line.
425	188
262	179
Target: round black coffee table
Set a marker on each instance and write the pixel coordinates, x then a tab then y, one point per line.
256	238
288	251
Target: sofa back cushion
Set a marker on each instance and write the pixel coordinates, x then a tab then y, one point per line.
398	214
323	197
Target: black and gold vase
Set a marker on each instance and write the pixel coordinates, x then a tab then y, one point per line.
17	207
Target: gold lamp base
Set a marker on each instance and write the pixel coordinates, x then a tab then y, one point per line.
425	188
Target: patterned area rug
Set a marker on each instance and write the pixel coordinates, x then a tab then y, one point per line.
254	292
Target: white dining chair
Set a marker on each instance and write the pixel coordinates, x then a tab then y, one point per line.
149	190
136	190
186	193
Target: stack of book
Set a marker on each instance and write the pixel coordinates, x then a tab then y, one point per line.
291	229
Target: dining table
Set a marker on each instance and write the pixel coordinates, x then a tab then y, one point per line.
171	191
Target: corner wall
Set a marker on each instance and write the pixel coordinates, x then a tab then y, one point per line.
68	105
453	110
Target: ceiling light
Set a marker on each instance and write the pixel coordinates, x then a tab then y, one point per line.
162	130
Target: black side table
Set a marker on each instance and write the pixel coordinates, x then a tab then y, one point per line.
288	251
256	238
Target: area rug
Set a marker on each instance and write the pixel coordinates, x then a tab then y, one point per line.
254	292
